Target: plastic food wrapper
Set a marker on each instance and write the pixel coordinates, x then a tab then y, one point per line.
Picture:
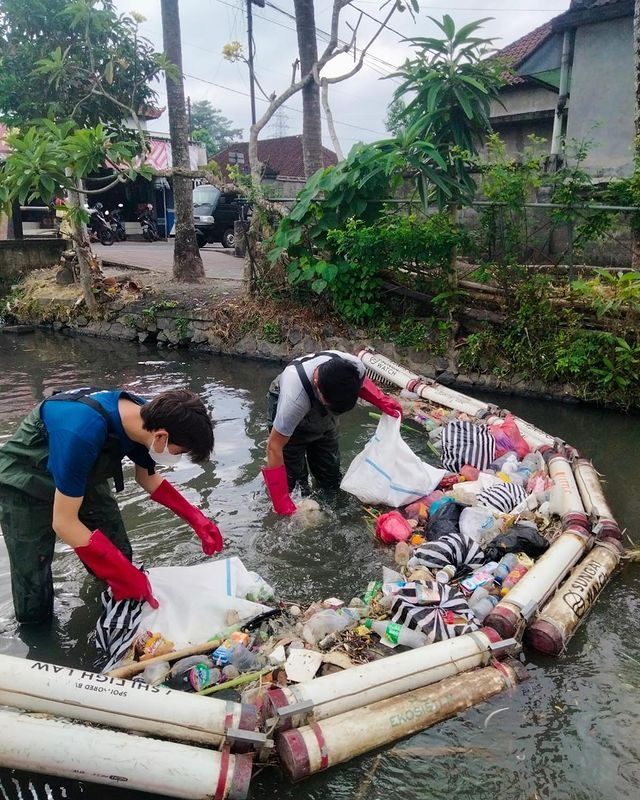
387	471
194	602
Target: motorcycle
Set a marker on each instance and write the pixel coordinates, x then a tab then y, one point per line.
148	225
117	224
99	228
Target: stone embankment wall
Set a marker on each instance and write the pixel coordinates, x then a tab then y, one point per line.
20	256
177	326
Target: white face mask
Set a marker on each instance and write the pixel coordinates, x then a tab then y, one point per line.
165	458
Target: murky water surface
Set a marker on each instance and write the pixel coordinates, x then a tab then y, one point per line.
572	731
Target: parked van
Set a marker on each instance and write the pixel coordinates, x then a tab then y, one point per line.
214	213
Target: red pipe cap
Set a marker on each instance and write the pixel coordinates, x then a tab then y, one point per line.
294	755
276	699
504	621
544	637
239	788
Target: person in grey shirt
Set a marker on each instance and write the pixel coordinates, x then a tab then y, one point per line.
304	403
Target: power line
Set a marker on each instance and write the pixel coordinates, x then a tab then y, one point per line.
322	34
290	108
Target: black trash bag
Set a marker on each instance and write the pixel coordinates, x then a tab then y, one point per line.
446	520
518	539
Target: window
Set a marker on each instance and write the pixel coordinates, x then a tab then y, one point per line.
235	157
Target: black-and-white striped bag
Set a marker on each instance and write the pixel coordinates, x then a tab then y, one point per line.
443	618
466	443
453	548
117	628
502	497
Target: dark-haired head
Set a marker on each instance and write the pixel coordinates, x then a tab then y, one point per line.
339	384
184	417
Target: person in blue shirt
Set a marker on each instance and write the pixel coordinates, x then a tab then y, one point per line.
54	474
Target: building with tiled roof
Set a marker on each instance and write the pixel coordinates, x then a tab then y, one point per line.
596	102
282	158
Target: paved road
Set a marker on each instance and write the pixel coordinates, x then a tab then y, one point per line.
158	257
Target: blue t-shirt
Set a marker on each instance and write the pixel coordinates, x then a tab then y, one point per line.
77	433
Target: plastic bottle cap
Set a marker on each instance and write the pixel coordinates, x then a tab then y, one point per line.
368	623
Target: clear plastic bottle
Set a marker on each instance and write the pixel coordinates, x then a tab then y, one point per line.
484	607
396	634
479	594
507	563
402	554
243	659
479	524
327	621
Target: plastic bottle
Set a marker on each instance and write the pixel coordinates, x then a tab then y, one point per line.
479	524
484	607
396	634
479	594
507	563
446	574
325	622
243	659
512	578
499	462
402	554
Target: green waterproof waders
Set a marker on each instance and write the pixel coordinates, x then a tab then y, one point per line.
26	510
313	447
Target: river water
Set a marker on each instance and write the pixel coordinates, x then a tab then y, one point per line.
571	731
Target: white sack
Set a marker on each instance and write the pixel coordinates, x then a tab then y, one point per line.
194	600
387	471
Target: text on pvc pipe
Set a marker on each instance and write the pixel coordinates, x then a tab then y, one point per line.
582	591
98	683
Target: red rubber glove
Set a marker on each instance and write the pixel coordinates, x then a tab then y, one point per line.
277	485
110	565
386	404
205	529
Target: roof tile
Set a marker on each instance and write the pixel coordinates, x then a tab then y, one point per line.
282	156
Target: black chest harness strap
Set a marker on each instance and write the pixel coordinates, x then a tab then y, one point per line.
113	441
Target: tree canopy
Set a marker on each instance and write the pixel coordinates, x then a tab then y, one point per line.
73	59
210	127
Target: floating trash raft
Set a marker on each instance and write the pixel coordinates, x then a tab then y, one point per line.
511	545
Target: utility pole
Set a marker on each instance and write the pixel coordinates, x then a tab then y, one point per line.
189	116
252	88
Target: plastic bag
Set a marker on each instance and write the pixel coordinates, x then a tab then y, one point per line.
393	527
519	538
387	471
194	600
508	437
444	521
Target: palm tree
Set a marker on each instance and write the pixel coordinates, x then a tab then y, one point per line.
187	262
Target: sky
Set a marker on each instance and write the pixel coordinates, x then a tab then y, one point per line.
359	105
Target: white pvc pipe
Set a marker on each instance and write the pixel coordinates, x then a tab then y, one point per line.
430	390
324	744
443	396
565	496
590	489
569	606
387	677
118	703
70	750
539	583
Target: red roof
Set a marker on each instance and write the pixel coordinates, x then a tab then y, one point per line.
517	52
281	156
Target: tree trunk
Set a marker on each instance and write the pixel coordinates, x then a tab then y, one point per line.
635	226
187	262
87	264
311	117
